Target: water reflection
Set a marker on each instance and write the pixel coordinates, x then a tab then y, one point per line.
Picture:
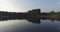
41	25
36	21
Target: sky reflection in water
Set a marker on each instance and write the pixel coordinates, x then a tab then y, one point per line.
26	26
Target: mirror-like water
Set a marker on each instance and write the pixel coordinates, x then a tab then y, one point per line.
26	26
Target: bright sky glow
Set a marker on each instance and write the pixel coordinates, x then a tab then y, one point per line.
6	5
25	5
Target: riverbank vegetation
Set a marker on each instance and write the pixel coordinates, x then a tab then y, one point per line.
53	15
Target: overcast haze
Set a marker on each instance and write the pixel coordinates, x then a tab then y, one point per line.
25	5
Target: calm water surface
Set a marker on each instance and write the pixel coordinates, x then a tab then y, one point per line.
26	26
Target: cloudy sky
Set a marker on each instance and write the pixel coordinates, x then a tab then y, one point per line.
25	5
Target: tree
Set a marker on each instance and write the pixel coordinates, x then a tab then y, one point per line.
52	11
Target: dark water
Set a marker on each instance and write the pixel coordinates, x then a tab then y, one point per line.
29	26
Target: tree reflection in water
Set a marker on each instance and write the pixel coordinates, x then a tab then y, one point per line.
36	21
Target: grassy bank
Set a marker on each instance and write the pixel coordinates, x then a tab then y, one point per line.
55	16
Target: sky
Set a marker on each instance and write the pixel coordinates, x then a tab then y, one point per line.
25	5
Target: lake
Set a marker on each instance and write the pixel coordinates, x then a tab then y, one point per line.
29	26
